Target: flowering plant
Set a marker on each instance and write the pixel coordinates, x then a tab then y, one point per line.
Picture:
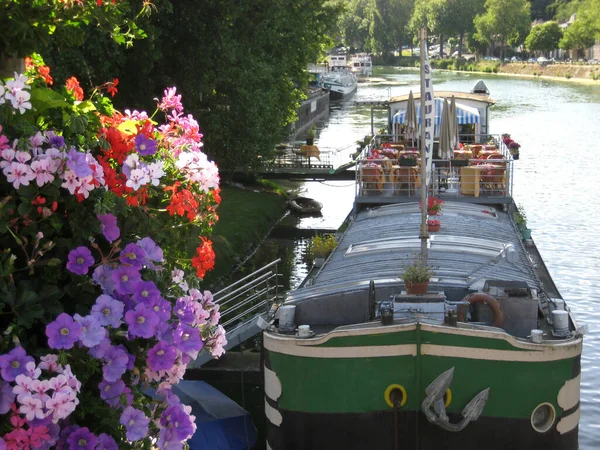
512	145
98	214
433	204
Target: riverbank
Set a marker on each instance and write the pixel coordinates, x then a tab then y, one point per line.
246	215
571	72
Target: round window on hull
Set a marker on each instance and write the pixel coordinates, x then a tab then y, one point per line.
542	417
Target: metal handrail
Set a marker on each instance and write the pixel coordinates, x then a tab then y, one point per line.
247	277
249	295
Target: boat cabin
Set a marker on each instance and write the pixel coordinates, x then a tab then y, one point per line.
471	108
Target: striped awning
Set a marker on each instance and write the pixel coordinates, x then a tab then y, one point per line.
464	114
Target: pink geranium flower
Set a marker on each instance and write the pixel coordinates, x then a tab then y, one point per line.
18	174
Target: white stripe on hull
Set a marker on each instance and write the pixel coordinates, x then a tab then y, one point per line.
341	352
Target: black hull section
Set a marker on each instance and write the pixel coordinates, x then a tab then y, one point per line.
339	96
376	431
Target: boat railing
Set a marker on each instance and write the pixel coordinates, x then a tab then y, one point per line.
297	155
244	306
473	180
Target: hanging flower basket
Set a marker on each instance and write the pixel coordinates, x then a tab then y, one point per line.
434	206
433	225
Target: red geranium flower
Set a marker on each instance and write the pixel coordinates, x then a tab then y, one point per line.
72	85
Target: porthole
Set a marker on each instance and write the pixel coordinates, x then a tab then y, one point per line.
542	417
447	397
395	393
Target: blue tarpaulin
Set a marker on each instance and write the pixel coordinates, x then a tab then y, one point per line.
221	423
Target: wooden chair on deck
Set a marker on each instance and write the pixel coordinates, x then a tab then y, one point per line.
371	177
494	178
475	149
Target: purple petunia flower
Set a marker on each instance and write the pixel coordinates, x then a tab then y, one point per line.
13	363
178	422
136	423
2	444
111	392
108	311
145	292
184	310
82	439
187	339
63	332
133	255
142	321
80	260
161	307
145	146
54	140
109	227
102	276
116	360
125	278
92	333
106	442
153	251
77	162
99	350
6	397
161	357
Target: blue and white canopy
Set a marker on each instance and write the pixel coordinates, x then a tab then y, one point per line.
464	114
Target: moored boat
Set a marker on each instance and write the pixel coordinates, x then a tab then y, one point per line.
361	64
488	357
341	83
305	205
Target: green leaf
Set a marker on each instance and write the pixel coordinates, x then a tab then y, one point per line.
24	208
78	124
26	319
86	106
28	192
45	98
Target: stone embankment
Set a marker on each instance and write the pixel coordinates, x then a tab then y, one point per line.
574	72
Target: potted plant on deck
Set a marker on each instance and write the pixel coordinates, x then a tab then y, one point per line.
520	219
433	225
310	135
416	276
320	247
407	160
434	206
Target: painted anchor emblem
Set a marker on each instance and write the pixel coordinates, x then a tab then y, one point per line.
434	405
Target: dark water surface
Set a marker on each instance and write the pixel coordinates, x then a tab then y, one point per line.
556	181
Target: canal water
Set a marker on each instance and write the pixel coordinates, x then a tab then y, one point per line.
556	181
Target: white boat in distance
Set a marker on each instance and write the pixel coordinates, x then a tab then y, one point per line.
340	83
361	64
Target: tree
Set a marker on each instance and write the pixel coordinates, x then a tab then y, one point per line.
544	37
354	24
540	9
28	24
459	15
241	67
505	22
578	36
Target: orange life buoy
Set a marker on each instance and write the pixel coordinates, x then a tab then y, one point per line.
486	299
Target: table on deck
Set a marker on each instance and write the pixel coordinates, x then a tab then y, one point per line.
470	177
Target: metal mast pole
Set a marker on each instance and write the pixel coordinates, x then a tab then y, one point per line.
423	234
